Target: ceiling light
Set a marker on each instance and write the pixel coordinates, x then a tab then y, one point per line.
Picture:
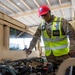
18	3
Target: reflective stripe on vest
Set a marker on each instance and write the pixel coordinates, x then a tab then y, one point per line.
55	48
55	43
55	40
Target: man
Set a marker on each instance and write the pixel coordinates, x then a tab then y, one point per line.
55	31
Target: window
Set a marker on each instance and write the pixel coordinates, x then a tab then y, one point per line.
17	41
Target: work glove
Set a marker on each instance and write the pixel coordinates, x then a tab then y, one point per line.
28	51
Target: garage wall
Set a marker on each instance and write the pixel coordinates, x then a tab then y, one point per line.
1	36
5	23
12	55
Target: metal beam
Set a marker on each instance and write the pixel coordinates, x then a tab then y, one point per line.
34	19
50	6
27	21
72	14
25	4
48	2
33	12
7	8
15	5
61	9
72	10
36	3
19	35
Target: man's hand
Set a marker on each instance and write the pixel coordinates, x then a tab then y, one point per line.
28	51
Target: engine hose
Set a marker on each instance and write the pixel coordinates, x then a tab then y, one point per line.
7	68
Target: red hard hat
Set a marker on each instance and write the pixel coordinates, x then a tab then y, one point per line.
43	10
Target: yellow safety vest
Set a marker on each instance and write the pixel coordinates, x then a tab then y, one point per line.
57	45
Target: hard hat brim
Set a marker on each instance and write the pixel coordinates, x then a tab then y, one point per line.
43	13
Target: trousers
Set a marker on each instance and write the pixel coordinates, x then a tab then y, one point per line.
57	59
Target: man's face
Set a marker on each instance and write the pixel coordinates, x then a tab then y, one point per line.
46	17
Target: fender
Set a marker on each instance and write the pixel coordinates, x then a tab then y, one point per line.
63	67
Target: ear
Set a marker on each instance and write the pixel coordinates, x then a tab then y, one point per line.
50	12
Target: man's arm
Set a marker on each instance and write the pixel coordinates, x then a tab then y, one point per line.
35	38
67	28
71	33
